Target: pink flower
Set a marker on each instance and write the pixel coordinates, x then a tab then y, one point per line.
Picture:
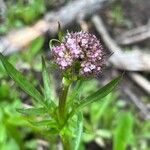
81	47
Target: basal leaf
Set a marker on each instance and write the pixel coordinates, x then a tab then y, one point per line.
100	93
22	81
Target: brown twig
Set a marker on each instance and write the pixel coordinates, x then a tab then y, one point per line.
141	81
135	35
141	106
83	24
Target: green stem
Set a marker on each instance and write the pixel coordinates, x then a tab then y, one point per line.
63	98
62	111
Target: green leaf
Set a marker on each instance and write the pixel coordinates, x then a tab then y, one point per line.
99	109
47	88
49	123
21	81
89	87
100	93
78	132
32	111
52	131
31	144
123	132
34	48
104	133
60	32
46	81
76	90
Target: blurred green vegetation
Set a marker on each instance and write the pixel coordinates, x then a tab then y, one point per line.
12	124
21	13
117	15
14	128
114	123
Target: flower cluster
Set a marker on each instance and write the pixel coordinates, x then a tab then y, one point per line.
80	47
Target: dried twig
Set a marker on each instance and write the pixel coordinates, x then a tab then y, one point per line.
17	40
83	24
141	81
144	110
135	35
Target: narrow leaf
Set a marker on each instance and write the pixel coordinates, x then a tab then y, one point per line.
34	48
47	88
78	131
46	81
60	32
99	109
76	90
32	111
100	93
49	123
21	80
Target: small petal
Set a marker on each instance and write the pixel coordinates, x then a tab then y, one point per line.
86	69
